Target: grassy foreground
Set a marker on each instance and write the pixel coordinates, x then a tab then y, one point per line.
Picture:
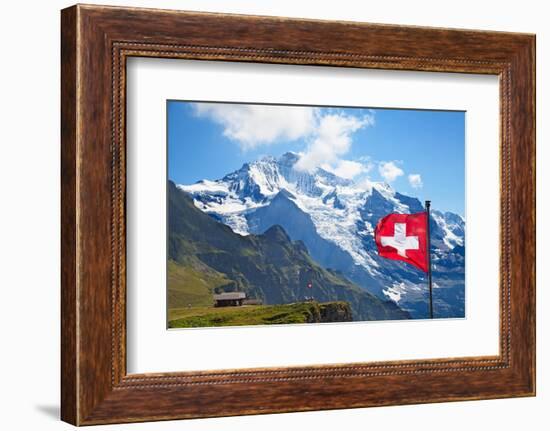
300	312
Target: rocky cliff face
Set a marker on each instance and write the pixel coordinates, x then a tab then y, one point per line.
335	312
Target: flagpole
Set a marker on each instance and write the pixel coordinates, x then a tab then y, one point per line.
429	257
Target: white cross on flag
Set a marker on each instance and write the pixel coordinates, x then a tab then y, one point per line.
403	237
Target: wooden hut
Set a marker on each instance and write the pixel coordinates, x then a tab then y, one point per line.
228	299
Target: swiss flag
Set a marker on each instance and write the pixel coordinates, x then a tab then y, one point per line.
404	237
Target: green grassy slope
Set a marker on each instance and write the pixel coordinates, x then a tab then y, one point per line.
304	312
192	284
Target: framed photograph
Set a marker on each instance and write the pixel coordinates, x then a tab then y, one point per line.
258	208
280	214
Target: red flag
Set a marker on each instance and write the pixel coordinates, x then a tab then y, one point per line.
403	237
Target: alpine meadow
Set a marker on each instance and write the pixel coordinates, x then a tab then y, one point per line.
285	214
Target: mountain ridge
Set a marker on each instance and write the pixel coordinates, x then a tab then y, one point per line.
335	219
269	266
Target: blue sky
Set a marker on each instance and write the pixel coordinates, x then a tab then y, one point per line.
419	153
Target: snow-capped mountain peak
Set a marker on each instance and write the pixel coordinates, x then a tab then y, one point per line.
322	194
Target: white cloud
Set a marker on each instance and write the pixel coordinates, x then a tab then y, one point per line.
347	169
331	140
253	125
389	171
415	180
328	132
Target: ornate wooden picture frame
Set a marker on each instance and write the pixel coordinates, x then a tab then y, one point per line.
96	41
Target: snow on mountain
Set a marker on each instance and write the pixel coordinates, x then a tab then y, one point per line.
335	218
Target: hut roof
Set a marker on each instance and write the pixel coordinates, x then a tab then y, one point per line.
229	295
